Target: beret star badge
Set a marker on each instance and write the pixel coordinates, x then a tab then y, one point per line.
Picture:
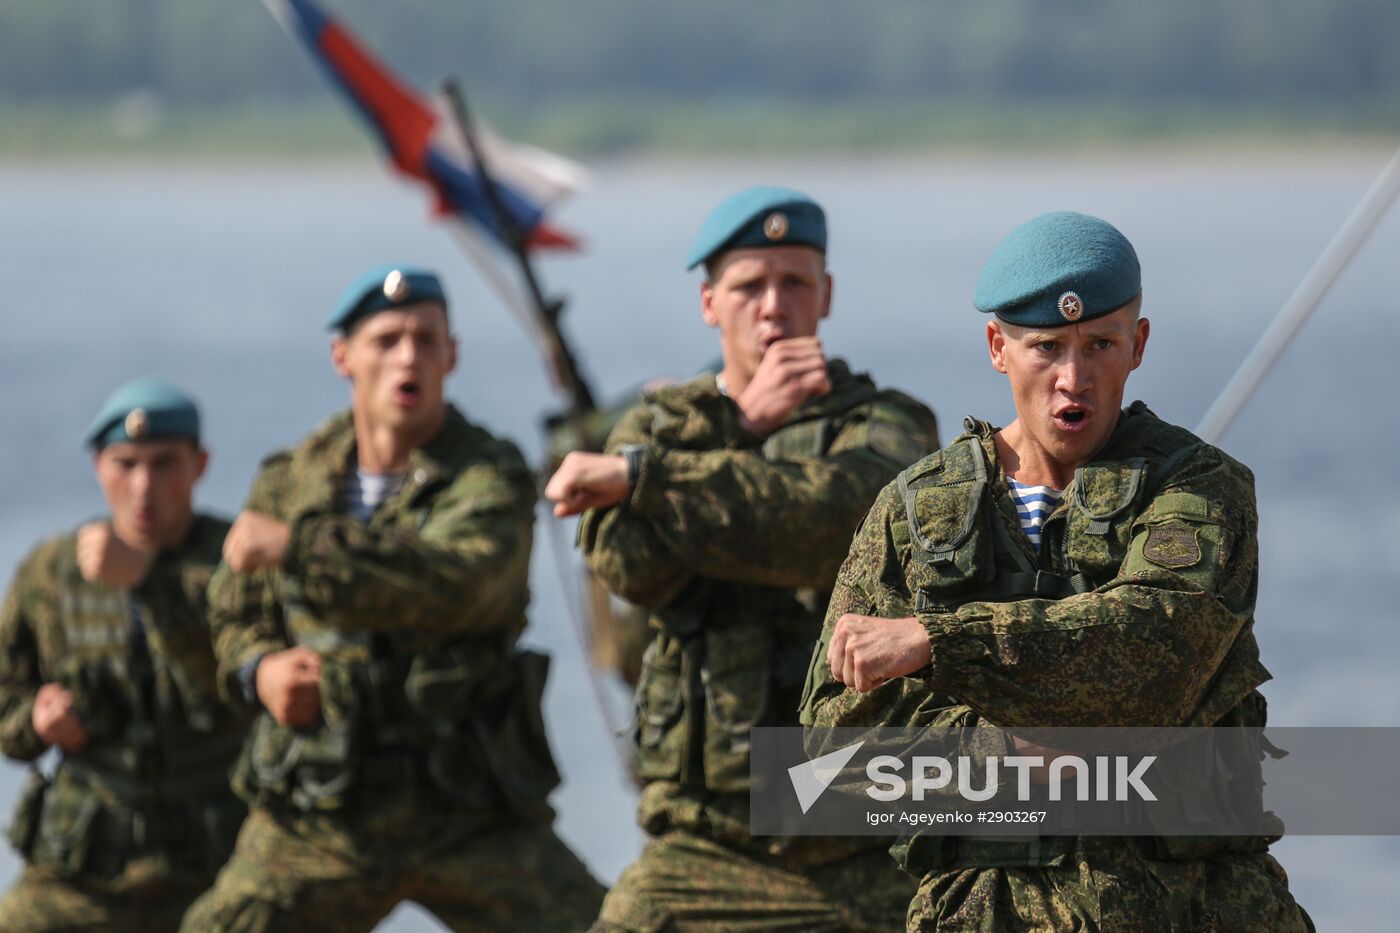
395	286
136	423
775	227
1071	307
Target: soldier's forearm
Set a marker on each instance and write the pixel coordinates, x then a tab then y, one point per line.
732	515
1133	655
354	577
624	551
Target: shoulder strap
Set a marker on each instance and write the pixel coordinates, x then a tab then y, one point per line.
1157	478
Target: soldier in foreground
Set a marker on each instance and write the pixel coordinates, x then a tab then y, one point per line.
106	656
1082	566
373	591
725	505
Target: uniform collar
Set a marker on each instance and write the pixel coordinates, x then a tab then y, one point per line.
330	453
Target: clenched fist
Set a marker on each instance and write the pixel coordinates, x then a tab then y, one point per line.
791	372
256	542
104	558
587	481
866	651
289	686
54	719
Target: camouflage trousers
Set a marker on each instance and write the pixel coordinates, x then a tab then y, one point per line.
42	901
508	878
1106	885
684	882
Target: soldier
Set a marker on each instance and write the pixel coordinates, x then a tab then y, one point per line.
1083	566
724	505
106	656
373	591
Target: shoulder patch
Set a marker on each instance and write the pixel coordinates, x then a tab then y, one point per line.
1172	545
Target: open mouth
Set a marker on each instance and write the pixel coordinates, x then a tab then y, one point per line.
1071	418
408	392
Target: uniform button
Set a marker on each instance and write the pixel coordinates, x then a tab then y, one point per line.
420	476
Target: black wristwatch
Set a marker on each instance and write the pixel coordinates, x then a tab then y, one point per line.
633	454
248	680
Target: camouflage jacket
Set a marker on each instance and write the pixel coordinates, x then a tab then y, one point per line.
732	541
148	794
1137	610
415	614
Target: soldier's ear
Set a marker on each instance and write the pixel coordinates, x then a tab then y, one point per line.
340	352
996	346
451	353
707	303
1140	333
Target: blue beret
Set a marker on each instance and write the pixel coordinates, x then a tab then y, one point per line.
144	410
762	216
383	288
1059	268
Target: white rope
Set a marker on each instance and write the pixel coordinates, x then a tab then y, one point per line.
1302	303
573	604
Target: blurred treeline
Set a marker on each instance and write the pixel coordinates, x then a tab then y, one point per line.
613	73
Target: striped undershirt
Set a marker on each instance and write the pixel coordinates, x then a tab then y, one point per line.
364	492
1033	506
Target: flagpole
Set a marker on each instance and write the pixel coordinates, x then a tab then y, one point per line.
563	367
563	363
1303	302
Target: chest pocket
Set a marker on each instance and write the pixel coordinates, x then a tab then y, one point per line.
1104	498
950	543
96	620
800	441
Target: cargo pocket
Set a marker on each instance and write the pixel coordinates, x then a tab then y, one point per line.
25	825
67	827
951	543
437	686
460	768
326	760
464	717
272	753
511	731
738	683
660	705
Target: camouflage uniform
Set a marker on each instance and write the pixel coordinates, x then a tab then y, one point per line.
733	541
426	776
1137	611
131	828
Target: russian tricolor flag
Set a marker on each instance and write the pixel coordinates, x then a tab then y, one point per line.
425	142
